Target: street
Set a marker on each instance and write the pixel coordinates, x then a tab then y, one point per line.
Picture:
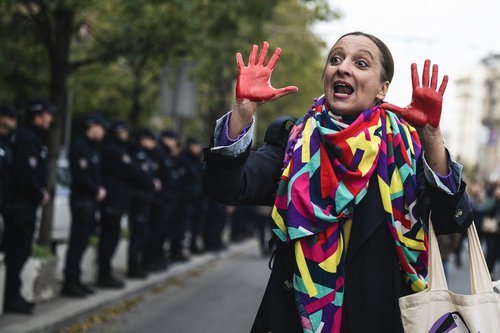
222	297
219	297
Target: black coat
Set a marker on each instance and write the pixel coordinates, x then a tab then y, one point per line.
85	168
29	166
373	275
120	174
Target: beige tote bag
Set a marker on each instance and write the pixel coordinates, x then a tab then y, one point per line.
438	310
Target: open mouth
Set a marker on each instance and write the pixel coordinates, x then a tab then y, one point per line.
341	88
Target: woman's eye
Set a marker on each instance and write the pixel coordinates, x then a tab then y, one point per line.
361	63
335	60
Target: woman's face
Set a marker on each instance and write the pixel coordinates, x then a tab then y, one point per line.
352	77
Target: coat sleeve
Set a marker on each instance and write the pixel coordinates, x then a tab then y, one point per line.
450	213
252	176
80	168
25	167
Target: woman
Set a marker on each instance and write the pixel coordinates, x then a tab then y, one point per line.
349	185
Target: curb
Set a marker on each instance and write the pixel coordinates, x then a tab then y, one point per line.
60	313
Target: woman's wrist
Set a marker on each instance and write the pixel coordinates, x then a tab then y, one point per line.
435	150
241	117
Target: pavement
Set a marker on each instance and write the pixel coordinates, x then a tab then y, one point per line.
59	313
56	315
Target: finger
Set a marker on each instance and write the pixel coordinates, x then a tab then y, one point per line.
274	59
253	55
392	107
434	78
415	81
263	53
285	91
444	83
239	61
425	73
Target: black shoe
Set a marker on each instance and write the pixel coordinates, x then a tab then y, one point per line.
72	289
158	265
179	257
29	304
110	282
137	273
86	289
18	305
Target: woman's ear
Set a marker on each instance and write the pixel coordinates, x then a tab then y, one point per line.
383	90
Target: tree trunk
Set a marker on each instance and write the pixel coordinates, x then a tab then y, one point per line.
58	48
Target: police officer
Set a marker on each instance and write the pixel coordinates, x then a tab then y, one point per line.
163	207
8	123
142	198
27	191
119	175
115	169
192	206
86	192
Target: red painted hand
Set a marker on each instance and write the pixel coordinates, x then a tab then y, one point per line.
254	80
426	101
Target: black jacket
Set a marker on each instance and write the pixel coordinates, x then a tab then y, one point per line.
165	168
120	174
29	166
5	163
373	275
85	169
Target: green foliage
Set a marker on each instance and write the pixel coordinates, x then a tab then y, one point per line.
38	251
118	48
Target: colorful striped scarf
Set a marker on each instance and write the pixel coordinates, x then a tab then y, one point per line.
327	169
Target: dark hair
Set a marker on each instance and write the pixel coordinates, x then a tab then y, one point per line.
387	61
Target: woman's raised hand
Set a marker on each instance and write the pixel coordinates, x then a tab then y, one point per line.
426	102
254	80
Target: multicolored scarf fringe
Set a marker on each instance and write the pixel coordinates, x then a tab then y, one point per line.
327	171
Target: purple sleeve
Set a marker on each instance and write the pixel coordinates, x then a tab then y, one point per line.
448	181
224	139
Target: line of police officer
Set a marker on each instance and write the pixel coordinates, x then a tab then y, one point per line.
110	178
24	181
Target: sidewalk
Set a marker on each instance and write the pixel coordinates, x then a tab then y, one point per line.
61	312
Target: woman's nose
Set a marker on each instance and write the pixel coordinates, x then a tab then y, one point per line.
345	67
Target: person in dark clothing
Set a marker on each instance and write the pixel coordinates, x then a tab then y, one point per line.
86	192
164	204
352	184
142	198
27	191
8	124
192	201
119	174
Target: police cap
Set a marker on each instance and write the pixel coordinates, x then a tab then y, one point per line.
168	133
118	126
39	105
145	133
94	119
8	111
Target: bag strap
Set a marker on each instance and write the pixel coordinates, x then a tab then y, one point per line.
480	281
437	278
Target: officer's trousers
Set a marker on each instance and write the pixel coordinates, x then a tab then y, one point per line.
162	216
19	218
109	236
139	220
83	223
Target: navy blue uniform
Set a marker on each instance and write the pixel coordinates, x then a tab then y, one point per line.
5	162
119	175
26	187
84	165
140	212
192	207
163	208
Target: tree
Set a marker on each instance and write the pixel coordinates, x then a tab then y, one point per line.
53	24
